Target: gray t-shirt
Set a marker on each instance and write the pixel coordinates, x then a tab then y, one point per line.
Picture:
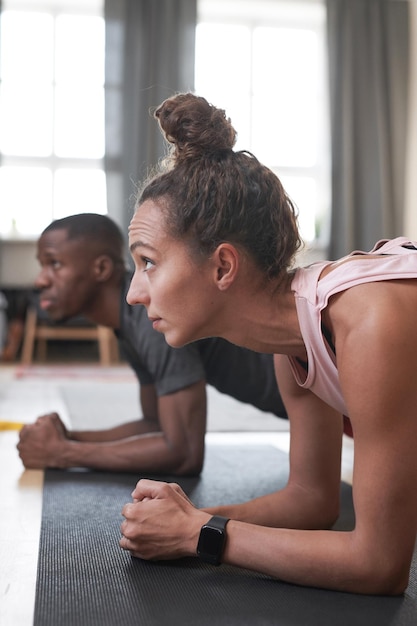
243	374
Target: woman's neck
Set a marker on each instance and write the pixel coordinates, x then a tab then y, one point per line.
265	319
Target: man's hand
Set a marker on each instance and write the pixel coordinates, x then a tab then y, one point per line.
42	444
161	523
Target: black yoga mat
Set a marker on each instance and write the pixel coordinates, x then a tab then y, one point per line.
85	579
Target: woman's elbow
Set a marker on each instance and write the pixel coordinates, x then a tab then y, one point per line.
382	576
392	582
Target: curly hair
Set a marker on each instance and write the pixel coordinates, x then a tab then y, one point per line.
211	194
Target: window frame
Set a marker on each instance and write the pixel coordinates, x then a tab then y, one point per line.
52	161
299	14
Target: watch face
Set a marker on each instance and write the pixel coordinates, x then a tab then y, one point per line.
210	545
212	541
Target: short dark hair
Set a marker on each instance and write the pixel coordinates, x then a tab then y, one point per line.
96	228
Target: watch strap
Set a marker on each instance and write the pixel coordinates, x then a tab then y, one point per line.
205	549
218	522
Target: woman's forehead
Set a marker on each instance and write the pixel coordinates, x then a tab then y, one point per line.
148	224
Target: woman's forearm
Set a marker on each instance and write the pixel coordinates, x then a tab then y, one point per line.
327	559
290	507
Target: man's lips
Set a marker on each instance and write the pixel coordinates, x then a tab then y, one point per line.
45	303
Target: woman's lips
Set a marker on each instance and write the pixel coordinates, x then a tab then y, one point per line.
155	322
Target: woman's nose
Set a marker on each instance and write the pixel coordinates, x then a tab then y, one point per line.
137	293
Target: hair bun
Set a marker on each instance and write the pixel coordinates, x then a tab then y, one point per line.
194	126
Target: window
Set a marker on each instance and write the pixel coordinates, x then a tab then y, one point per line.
264	63
51	112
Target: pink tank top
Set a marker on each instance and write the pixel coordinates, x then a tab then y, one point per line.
312	295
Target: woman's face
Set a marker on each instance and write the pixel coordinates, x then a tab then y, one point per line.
176	290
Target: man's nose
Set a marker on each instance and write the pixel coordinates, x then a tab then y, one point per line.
42	279
137	293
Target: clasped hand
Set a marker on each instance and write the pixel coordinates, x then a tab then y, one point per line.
161	522
41	444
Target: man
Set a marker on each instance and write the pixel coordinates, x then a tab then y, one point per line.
83	273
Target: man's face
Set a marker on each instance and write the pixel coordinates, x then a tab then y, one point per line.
66	279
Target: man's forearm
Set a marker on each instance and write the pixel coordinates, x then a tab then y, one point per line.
149	453
129	429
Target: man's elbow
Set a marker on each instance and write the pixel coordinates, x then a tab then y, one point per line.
189	462
190	467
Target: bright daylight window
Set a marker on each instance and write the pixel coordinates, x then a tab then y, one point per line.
51	112
264	63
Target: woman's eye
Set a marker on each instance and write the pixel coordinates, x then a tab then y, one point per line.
147	264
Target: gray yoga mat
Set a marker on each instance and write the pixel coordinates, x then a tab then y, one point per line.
85	579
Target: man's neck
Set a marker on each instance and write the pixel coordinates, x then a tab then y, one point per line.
105	311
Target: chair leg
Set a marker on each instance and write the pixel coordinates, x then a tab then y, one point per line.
41	349
29	337
104	337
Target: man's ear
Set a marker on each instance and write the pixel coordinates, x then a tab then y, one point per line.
226	261
103	267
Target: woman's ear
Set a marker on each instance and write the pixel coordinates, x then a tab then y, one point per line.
103	267
226	261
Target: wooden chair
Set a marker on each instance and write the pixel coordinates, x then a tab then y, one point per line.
41	331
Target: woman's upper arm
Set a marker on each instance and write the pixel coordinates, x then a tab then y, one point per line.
316	439
377	357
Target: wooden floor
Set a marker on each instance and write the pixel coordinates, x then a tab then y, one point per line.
21	490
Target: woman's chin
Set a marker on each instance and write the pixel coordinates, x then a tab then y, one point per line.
175	344
176	340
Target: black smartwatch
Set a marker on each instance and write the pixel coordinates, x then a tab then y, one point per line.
212	539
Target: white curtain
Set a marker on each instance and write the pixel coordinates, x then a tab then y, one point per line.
369	83
410	228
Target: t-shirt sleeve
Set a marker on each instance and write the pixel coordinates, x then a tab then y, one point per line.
173	369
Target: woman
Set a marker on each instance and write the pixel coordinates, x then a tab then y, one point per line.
213	240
